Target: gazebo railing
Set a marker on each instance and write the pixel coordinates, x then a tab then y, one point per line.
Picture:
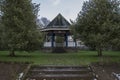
70	44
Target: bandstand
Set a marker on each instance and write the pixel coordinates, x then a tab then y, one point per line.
58	34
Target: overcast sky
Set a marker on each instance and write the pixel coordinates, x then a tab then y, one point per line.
68	8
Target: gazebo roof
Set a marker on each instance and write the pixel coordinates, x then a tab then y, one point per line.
58	23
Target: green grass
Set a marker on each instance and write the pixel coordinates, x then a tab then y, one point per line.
79	58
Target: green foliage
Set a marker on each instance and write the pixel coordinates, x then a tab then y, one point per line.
2	36
98	23
73	30
1	32
19	19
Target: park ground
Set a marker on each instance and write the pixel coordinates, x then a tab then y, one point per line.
76	58
103	66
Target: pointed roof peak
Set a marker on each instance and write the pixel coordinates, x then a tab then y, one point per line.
59	21
60	14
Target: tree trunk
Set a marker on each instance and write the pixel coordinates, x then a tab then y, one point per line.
99	52
12	53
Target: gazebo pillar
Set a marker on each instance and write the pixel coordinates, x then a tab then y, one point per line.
66	39
53	39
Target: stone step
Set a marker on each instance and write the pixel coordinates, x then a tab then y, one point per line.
60	73
60	67
54	69
81	71
62	77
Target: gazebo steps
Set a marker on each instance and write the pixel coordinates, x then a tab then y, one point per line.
58	50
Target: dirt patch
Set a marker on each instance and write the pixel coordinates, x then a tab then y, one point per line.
105	71
10	70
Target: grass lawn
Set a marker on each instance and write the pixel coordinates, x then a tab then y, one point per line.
79	58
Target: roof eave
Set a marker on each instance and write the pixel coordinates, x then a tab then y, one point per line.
55	29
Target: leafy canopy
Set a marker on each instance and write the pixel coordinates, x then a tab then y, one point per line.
98	22
19	19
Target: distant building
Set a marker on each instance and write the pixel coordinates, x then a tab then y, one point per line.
42	22
45	21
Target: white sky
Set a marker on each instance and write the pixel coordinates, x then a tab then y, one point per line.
68	8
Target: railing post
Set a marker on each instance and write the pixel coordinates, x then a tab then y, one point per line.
52	42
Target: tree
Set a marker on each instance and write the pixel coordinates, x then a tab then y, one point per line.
19	19
1	26
98	23
74	32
